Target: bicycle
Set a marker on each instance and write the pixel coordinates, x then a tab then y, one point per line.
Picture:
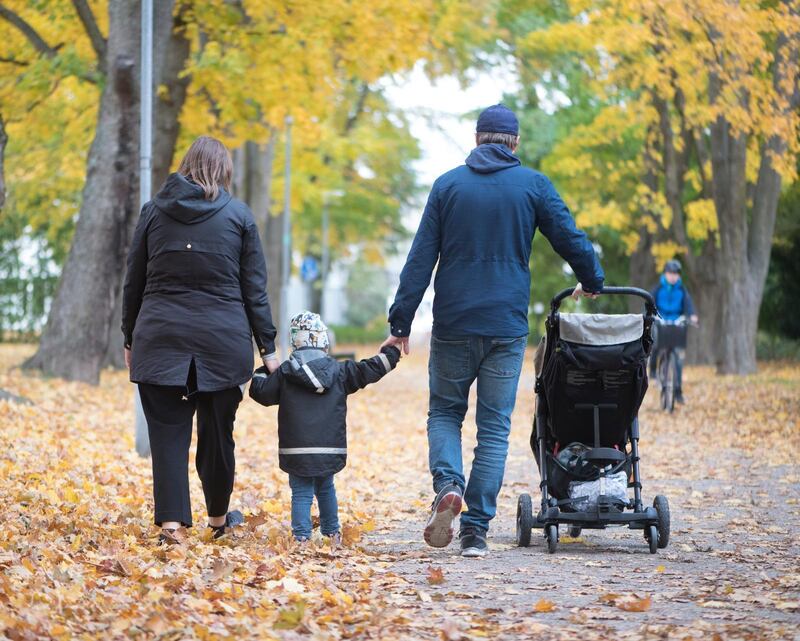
670	337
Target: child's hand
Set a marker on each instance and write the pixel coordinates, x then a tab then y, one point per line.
392	353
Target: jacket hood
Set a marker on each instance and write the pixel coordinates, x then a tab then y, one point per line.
182	200
311	368
491	157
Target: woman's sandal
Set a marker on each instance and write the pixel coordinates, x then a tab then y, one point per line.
232	519
172	536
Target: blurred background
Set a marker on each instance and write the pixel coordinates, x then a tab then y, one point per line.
670	128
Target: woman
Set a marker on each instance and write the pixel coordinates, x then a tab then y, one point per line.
195	293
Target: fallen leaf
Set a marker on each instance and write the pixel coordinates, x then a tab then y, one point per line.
435	575
543	605
290	617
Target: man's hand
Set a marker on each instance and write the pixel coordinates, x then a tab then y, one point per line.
693	319
400	343
271	363
578	292
127	357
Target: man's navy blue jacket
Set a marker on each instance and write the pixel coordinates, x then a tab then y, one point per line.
479	224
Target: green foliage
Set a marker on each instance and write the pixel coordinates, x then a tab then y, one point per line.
773	347
782	289
353	335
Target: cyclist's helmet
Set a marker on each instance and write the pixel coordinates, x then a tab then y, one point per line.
673	266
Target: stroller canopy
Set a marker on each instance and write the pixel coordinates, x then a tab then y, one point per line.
600	329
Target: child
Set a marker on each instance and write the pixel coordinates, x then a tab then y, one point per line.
311	389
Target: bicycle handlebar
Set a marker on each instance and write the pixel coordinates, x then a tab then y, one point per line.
681	321
650	303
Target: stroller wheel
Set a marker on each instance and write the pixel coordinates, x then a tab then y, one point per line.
551	532
662	508
574	531
651	535
524	520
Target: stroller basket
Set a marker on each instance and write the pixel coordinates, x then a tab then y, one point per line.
591	378
668	335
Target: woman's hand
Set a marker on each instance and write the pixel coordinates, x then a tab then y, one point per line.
127	357
271	363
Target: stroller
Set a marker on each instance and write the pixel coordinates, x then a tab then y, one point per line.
591	377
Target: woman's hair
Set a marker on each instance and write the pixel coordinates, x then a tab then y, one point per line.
209	165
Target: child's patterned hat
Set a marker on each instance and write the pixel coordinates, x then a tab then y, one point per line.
308	330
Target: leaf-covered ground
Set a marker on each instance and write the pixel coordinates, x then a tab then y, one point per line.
78	554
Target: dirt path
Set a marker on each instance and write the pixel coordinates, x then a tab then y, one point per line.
731	567
78	557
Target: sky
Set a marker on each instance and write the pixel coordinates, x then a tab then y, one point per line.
436	111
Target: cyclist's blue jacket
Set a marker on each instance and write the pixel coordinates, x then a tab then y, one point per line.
478	224
672	301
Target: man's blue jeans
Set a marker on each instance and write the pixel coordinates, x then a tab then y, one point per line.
455	363
303	490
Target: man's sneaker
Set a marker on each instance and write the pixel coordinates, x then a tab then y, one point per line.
444	510
473	542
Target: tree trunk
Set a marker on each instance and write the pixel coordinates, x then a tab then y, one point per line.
3	143
259	161
253	165
170	52
704	341
641	269
78	337
75	338
737	332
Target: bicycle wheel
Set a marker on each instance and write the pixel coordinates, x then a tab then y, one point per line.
671	378
661	372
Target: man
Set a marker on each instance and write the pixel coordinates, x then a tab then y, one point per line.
673	301
479	224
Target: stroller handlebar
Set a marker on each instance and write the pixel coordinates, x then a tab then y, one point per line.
649	301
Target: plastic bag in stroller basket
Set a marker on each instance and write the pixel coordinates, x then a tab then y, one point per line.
614	486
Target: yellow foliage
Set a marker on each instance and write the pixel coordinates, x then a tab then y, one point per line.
662	252
701	219
703	59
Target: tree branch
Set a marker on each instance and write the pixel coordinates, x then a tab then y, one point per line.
29	32
14	61
92	30
353	117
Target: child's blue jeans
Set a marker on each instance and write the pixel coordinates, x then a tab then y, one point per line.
303	490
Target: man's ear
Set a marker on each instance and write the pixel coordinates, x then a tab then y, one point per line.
476	139
516	144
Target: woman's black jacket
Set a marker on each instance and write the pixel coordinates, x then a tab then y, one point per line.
196	289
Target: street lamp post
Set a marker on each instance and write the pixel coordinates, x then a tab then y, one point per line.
286	246
142	440
326	245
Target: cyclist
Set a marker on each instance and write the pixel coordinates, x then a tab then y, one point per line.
673	301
